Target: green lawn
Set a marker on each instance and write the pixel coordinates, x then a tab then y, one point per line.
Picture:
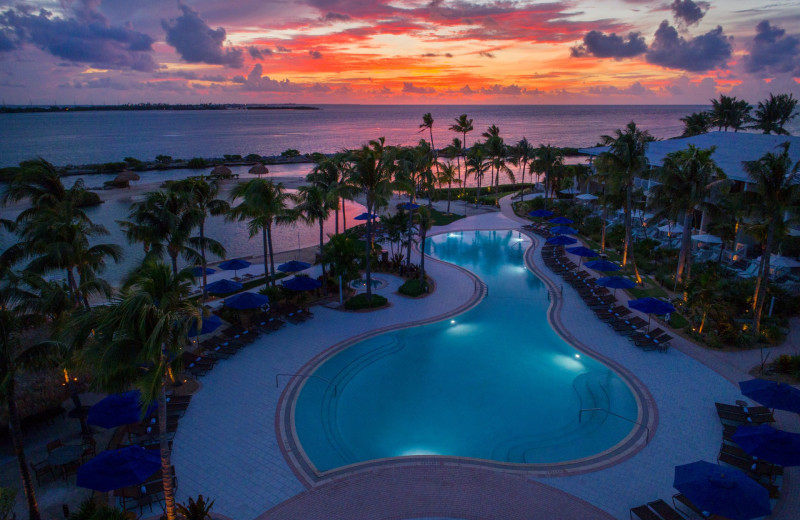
442	219
651	291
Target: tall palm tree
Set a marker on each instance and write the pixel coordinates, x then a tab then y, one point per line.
728	112
263	204
454	150
477	164
330	175
703	293
463	126
547	160
696	123
163	223
687	180
427	123
521	153
772	114
138	340
776	194
314	206
202	196
372	171
424	223
447	175
625	159
492	131
497	152
19	316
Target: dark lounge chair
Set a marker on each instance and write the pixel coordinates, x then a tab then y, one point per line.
743	418
643	513
664	510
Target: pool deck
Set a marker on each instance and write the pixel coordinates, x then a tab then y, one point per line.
228	445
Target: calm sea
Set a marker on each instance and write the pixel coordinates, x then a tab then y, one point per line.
91	137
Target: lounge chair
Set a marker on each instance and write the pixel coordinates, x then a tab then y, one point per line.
750	272
735	451
680	498
43	470
743	418
647	334
664	510
751	410
643	513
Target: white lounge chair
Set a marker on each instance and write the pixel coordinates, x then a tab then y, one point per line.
750	272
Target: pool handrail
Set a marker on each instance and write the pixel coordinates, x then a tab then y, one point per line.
580	417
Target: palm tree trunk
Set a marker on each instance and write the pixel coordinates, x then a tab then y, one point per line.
686	241
174	258
522	191
344	217
73	286
449	187
478	191
763	278
603	235
84	298
271	254
702	322
367	273
408	244
336	214
322	257
15	429
203	257
628	203
166	465
422	253
546	187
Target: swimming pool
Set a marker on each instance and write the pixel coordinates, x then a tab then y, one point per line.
495	383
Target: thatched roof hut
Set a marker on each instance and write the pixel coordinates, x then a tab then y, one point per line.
222	172
259	169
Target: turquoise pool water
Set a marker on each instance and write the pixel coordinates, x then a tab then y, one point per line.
494	383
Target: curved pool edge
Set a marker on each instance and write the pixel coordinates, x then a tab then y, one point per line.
636	440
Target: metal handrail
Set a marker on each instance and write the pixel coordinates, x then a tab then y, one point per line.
580	417
330	383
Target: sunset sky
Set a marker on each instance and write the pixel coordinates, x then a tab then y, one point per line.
397	51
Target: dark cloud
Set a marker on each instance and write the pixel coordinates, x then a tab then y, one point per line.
106	83
410	88
773	52
83	36
687	12
504	90
486	54
315	55
335	17
602	45
196	42
5	43
636	89
281	48
255	82
697	54
258	53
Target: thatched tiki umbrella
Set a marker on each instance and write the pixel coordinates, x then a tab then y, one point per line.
124	179
259	169
222	172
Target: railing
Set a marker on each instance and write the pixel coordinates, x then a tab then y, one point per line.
580	417
330	383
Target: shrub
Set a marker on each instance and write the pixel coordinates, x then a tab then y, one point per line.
195	510
132	161
290	152
252	157
197	163
593	227
360	301
8	497
785	363
413	288
89	510
275	294
232	157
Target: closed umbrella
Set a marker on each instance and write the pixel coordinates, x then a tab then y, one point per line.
772	394
234	265
302	283
209	324
540	213
561	240
118	409
723	491
293	266
766	443
246	300
561	221
563	230
602	265
223	287
114	469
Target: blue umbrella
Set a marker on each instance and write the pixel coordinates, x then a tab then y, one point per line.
723	491
366	216
223	287
561	240
118	409
651	305
246	300
302	283
409	205
767	443
114	469
198	271
563	230
293	266
561	221
602	265
540	213
615	282
583	252
234	265
210	324
772	394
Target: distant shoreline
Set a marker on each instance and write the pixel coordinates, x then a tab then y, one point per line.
145	107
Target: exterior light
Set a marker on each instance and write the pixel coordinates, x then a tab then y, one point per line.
577	356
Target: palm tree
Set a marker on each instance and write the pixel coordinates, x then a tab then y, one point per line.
687	180
138	340
463	125
425	221
497	152
454	151
330	175
372	172
427	123
547	160
314	206
726	214
476	163
19	316
626	159
263	204
703	293
163	223
775	194
343	254
774	113
521	153
727	112
447	175
696	123
202	196
492	131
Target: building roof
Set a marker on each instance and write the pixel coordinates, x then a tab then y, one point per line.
732	149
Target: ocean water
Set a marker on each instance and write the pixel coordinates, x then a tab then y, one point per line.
90	137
